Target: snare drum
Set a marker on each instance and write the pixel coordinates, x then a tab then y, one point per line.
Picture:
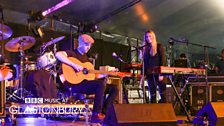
46	61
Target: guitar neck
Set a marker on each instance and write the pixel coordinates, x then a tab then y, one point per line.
103	72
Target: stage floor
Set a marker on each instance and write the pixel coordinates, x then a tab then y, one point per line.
46	122
30	121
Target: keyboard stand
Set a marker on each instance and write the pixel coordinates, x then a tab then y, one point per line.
179	98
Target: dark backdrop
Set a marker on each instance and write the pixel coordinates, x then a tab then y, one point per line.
103	48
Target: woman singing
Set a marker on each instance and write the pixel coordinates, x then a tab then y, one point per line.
153	55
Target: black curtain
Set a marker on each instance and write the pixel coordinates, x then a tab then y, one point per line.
105	50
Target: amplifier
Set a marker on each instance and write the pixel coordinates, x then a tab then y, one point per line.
2	99
216	78
217	92
117	81
197	97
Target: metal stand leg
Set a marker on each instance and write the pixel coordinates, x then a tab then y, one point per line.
181	92
142	83
207	86
87	111
21	72
181	101
125	93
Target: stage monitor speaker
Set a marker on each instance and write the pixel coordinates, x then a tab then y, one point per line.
213	113
2	99
141	115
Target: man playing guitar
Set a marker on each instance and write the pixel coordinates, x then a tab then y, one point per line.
87	86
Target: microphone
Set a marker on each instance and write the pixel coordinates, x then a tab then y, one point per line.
117	57
141	47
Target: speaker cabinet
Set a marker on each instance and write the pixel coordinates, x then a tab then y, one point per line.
198	94
198	97
2	99
217	92
213	112
141	115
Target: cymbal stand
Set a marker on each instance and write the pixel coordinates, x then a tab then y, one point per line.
2	35
21	70
54	65
43	49
170	53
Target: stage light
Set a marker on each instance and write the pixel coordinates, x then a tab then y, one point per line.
35	16
38	32
38	16
218	6
56	7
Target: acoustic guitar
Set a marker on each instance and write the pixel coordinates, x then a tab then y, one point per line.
88	72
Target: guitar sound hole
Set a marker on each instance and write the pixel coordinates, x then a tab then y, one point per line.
85	71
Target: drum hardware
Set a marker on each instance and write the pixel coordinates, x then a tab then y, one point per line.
5	32
30	65
15	95
53	41
46	61
54	73
20	44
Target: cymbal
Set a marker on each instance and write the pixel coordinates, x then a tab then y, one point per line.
52	42
5	32
25	42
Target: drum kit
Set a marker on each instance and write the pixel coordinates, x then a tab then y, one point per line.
46	59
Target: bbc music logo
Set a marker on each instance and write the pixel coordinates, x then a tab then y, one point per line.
42	100
34	100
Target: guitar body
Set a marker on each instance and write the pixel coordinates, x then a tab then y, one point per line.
74	77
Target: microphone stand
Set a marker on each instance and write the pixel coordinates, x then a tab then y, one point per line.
206	74
142	81
170	54
206	59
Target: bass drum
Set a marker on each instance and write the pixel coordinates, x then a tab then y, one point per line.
46	61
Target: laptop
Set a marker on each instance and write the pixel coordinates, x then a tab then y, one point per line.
180	63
